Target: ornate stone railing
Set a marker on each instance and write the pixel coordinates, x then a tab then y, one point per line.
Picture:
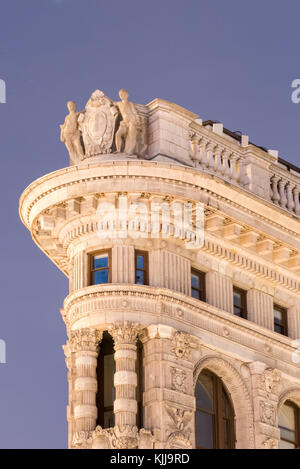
247	166
218	159
285	189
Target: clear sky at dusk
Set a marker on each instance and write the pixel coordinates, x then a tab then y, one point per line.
231	61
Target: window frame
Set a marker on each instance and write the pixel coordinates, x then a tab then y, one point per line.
92	270
284	312
145	254
217	414
297	424
243	308
202	282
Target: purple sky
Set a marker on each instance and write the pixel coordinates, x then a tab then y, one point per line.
230	61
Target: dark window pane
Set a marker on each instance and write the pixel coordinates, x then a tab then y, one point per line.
140	277
204	430
196	294
100	261
108	419
204	393
237	299
140	262
195	281
278	316
101	276
237	311
278	328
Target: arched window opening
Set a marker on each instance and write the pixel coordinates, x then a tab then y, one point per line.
214	418
289	424
140	384
105	378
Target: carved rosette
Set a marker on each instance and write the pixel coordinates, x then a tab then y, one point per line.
178	379
267	413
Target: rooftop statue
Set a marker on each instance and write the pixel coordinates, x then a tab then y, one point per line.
129	125
70	134
102	127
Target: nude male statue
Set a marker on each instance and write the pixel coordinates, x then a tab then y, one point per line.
129	126
70	134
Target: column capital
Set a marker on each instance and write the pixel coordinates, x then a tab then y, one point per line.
85	340
124	333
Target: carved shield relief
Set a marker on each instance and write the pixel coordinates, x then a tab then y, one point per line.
97	124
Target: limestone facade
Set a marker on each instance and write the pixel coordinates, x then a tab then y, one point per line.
251	212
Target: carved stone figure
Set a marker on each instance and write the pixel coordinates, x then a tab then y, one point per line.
129	125
70	134
180	417
270	380
97	124
181	345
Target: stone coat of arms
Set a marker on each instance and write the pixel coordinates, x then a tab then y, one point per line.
97	124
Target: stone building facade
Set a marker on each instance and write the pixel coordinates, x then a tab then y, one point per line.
180	240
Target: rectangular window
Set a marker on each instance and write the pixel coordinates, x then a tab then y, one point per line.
141	267
101	267
198	285
280	320
240	302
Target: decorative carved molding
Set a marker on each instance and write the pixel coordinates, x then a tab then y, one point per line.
124	332
181	345
117	437
270	443
178	440
85	340
178	379
270	380
180	418
267	413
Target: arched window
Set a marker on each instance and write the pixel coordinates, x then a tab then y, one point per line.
289	424
105	377
214	414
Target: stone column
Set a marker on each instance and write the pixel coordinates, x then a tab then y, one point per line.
85	345
260	308
265	383
67	348
219	291
125	380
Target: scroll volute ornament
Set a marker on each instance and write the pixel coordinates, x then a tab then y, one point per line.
124	332
85	340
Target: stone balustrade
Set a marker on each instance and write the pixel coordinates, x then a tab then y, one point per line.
243	167
285	190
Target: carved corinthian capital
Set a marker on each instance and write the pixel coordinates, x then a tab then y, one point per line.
85	340
124	333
